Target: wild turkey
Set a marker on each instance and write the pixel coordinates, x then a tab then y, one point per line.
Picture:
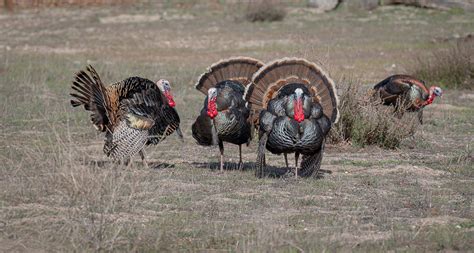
224	117
133	113
293	103
406	93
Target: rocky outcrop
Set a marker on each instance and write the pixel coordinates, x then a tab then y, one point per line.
467	5
21	4
323	5
359	4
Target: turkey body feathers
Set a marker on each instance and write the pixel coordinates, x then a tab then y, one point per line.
283	134
231	121
404	89
286	135
229	77
224	116
275	75
294	104
133	112
148	101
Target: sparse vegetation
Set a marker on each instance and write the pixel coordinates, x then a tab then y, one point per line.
265	11
364	121
59	193
451	67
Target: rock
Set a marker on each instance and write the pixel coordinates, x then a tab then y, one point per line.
360	4
467	5
323	5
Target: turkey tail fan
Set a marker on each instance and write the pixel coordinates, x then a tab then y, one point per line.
239	69
269	79
88	90
382	83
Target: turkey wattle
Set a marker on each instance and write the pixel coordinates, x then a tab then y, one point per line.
406	93
224	117
133	113
293	103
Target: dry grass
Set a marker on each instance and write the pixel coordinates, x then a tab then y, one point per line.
15	4
451	68
365	121
68	202
265	11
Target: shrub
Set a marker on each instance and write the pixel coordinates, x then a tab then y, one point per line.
364	121
451	68
265	10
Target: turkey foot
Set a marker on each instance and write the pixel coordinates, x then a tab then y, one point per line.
125	162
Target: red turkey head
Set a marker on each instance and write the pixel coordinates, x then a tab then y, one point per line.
298	105
165	87
211	103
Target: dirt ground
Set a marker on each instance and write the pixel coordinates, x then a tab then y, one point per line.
58	191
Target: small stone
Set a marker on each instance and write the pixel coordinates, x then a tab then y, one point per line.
323	5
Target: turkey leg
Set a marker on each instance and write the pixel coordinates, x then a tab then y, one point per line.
215	137
142	156
241	164
260	166
297	155
126	162
286	160
221	149
420	116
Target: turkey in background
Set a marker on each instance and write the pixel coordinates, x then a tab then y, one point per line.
406	93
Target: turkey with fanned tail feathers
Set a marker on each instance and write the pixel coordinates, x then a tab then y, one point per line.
224	116
293	103
133	113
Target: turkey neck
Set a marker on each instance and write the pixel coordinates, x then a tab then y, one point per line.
169	98
298	109
211	108
430	99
